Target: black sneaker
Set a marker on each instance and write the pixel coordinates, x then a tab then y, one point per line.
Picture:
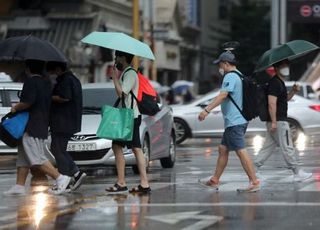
78	180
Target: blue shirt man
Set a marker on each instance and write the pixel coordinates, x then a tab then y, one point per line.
232	84
235	124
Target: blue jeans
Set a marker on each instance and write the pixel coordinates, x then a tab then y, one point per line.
233	137
65	163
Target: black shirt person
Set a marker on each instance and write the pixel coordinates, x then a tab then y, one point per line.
278	89
65	118
278	131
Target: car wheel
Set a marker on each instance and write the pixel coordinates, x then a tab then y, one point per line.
168	162
295	129
182	130
146	153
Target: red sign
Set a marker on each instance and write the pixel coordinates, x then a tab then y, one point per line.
305	11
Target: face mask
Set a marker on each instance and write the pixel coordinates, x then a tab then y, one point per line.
221	71
285	71
119	66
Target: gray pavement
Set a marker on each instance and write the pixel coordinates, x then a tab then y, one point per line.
177	200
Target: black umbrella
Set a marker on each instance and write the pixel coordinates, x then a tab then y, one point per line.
29	47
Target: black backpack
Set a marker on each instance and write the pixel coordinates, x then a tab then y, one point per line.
250	108
262	98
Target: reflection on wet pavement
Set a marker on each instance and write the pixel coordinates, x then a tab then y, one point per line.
177	201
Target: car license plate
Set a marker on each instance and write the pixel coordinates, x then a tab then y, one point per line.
81	147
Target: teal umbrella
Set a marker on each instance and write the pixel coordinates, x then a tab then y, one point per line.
121	42
289	50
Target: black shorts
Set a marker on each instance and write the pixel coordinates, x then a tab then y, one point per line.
135	142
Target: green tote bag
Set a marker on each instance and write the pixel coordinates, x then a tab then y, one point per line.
116	123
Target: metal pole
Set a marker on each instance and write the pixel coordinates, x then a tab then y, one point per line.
283	21
274	23
135	28
152	21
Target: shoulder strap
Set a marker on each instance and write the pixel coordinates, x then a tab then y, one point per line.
127	71
236	72
230	97
132	94
118	101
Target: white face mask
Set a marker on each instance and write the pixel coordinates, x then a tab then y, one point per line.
285	71
221	71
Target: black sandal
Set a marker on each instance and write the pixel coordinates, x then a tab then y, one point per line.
116	189
140	190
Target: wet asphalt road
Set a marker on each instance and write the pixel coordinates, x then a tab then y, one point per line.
177	200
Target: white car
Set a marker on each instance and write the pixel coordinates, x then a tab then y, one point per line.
303	116
157	133
305	89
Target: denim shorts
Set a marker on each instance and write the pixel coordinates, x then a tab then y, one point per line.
233	137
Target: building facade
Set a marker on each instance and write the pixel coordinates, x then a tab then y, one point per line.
215	31
64	23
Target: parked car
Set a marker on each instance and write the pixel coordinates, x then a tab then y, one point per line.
157	133
303	116
306	89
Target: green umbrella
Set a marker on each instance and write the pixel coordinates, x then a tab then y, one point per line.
121	42
289	50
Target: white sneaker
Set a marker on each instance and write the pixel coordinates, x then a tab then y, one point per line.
16	190
61	186
301	176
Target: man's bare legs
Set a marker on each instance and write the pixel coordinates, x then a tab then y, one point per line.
49	170
141	166
22	174
120	164
247	165
222	162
